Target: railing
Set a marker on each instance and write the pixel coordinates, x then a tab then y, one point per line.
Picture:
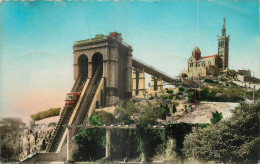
147	65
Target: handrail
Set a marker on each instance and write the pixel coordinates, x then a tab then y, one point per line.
148	65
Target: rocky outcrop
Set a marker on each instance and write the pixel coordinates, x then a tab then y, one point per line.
35	139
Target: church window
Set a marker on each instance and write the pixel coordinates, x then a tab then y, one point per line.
203	65
198	65
209	63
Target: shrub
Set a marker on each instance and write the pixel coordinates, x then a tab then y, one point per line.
125	119
169	91
216	117
94	120
168	153
105	117
150	115
91	144
181	89
235	140
45	114
126	108
151	98
52	124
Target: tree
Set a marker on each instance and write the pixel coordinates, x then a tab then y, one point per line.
216	117
150	115
233	140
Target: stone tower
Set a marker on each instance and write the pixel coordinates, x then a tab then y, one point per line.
115	59
223	47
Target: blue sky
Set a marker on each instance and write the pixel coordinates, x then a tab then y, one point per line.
37	37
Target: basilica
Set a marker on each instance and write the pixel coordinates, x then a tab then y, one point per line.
213	65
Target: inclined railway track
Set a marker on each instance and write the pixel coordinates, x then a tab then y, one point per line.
81	114
65	116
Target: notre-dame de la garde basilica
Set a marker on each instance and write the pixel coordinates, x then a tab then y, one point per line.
209	65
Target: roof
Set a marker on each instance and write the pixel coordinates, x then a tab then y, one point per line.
212	56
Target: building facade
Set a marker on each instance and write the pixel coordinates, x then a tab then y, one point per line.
203	66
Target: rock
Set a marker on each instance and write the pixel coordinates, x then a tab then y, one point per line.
35	139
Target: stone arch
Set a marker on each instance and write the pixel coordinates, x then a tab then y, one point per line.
83	65
97	61
97	104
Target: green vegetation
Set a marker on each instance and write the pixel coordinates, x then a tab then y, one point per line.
105	117
218	94
176	103
235	140
150	115
216	117
181	89
169	91
151	98
210	81
45	114
91	144
52	124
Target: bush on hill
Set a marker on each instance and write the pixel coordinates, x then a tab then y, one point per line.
235	140
45	114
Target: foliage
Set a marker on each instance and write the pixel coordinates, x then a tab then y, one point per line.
91	144
176	103
105	117
52	124
167	153
94	120
216	117
7	151
166	111
123	143
45	114
125	119
210	81
148	139
249	94
151	98
178	131
169	91
218	94
126	108
233	140
150	115
181	89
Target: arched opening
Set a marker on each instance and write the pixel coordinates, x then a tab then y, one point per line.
83	65
101	98
97	104
97	62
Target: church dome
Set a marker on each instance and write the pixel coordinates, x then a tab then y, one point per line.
197	51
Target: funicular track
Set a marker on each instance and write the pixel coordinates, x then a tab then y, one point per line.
81	116
82	111
65	116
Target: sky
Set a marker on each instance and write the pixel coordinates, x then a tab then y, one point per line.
36	39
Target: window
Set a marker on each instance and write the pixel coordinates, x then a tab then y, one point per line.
209	63
203	64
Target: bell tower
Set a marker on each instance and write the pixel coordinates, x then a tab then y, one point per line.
223	47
